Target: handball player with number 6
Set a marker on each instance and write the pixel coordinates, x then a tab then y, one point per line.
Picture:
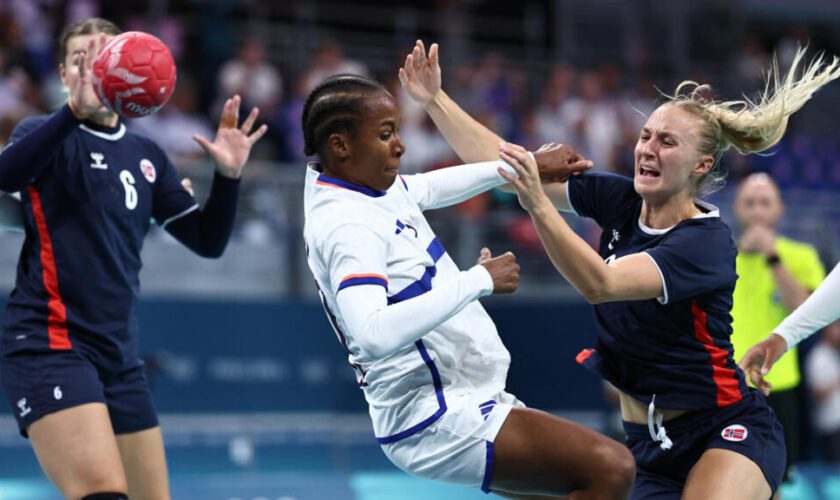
89	192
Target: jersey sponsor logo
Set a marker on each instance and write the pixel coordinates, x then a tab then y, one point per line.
148	169
735	433
57	394
97	161
616	236
402	226
24	410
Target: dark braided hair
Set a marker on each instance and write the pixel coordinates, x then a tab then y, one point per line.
336	105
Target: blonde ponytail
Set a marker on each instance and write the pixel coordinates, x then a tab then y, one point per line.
752	126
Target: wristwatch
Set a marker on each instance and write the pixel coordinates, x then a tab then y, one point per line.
773	260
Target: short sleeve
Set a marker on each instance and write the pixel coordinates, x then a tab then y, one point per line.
695	259
600	195
810	271
356	255
170	201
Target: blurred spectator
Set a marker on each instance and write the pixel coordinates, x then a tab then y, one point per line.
551	115
595	123
330	61
37	17
173	127
425	148
251	76
775	275
822	368
753	62
786	47
15	90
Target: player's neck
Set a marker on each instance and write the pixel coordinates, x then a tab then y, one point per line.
668	213
106	119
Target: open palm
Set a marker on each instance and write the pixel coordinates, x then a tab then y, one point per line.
420	76
232	145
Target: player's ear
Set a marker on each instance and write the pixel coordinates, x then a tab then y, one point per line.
704	165
62	72
338	145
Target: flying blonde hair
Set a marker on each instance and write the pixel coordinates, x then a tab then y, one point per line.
751	126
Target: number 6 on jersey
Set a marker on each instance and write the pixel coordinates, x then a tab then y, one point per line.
130	191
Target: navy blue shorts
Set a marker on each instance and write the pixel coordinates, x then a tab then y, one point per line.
748	427
37	384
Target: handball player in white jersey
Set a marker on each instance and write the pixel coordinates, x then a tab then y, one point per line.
426	354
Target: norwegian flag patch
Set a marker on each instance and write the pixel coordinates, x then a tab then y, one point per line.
734	433
148	170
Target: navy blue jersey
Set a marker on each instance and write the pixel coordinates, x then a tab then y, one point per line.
87	211
675	347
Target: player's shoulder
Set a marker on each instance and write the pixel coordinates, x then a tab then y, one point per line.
142	141
29	123
331	212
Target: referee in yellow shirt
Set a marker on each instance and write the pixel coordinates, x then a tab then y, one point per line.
775	275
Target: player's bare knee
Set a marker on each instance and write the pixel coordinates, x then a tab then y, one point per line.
618	466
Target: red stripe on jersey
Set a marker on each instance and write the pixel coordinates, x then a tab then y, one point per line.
57	316
583	355
353	276
725	378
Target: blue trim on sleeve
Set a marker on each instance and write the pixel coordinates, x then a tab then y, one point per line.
424	284
438	393
374	193
488	468
369	280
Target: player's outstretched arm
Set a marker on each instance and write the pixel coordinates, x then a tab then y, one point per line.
472	141
633	277
421	78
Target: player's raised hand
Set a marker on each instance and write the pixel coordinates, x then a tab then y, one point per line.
82	98
556	162
527	181
503	270
760	358
232	145
420	76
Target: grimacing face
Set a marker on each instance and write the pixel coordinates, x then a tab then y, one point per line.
667	161
758	202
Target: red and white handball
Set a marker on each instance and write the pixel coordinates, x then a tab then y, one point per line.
134	74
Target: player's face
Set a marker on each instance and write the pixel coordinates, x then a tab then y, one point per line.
666	156
758	203
376	149
76	47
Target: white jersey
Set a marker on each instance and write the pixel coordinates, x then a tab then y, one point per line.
436	345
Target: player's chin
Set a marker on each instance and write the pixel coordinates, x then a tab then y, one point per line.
387	177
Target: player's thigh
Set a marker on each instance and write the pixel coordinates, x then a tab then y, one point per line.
139	438
78	450
144	461
723	475
539	452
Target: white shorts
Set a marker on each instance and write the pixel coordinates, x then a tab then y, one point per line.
458	448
